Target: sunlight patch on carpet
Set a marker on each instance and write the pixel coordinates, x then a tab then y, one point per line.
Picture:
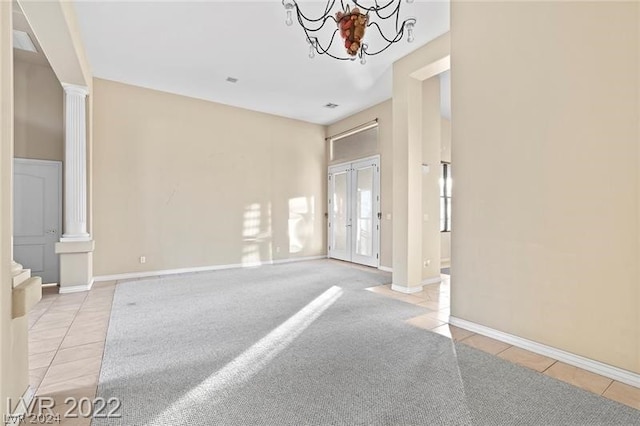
216	387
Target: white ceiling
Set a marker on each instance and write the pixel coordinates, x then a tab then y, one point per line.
190	48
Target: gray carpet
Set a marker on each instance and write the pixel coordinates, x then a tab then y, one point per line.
445	271
302	343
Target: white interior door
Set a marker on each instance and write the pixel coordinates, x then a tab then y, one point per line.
354	206
340	212
37	215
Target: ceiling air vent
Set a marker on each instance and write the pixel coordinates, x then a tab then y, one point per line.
331	105
232	79
22	41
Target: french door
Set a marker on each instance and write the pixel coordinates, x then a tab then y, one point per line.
354	211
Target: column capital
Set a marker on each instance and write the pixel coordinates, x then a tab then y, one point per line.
74	89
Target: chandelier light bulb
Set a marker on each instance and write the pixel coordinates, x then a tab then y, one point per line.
312	51
363	53
289	20
409	24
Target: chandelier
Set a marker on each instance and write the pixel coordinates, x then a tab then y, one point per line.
352	24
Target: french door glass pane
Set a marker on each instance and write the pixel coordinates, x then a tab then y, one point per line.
364	212
340	211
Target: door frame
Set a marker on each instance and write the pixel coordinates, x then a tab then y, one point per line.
377	205
58	165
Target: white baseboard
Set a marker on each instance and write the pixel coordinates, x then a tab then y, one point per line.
615	373
435	280
76	288
385	268
406	290
145	274
445	263
21	410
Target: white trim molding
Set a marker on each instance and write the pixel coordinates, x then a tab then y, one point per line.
615	373
406	290
146	274
385	268
18	416
434	280
76	288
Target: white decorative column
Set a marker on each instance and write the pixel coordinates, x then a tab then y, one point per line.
75	164
76	246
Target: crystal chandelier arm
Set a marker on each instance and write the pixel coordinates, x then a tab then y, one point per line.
395	11
319	27
322	51
323	18
376	8
397	38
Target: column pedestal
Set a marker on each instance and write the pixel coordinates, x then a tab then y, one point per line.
76	265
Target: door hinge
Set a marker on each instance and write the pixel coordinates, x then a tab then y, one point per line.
377	255
379	215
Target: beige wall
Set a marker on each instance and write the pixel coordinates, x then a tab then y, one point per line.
545	100
431	150
382	112
13	332
190	183
38	113
445	154
409	103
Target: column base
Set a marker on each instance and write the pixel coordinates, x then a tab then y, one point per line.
75	238
406	290
26	291
16	268
76	265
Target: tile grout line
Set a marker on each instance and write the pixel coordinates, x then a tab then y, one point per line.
58	348
505	349
102	342
552	364
607	388
43	312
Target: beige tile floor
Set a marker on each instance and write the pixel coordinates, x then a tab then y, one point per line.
435	298
67	335
66	342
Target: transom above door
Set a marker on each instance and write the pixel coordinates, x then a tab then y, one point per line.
354	211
